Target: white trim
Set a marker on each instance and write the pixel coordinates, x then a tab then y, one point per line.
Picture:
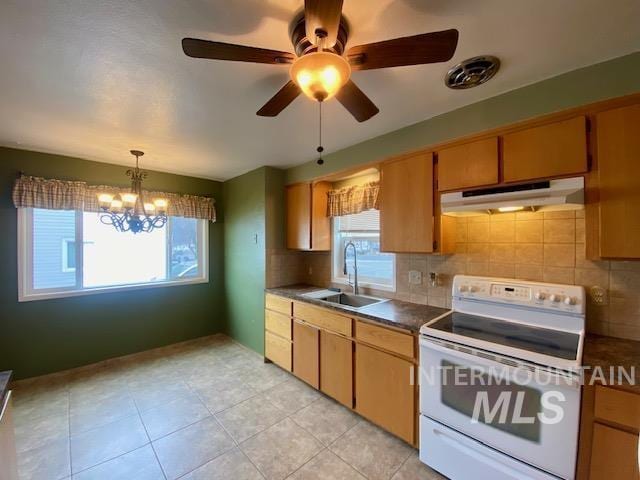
119	288
26	293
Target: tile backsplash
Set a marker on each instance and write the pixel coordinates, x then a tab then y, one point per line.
547	247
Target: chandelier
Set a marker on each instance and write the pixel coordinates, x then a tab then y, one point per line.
129	211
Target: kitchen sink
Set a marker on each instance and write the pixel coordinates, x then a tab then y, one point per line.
347	300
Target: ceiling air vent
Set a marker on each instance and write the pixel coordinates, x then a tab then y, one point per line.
472	72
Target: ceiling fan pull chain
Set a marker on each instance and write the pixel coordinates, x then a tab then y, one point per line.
320	148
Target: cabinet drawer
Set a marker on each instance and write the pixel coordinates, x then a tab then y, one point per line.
618	406
385	338
322	318
278	304
278	350
278	323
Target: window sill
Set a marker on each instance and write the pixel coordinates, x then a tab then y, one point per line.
98	290
373	286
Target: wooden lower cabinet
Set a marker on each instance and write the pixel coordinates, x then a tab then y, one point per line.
614	454
8	461
278	350
385	393
306	358
336	367
609	434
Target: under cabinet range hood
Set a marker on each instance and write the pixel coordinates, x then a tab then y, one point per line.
547	195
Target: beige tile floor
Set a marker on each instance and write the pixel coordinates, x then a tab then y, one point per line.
206	409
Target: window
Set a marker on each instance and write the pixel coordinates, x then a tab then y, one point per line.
51	263
375	269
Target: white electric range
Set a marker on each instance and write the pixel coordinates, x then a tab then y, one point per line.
500	381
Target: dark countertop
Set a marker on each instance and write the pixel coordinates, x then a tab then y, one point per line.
5	378
405	315
606	352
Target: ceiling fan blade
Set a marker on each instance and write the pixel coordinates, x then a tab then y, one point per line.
196	48
280	100
354	100
431	47
323	14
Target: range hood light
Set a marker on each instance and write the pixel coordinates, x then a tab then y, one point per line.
510	209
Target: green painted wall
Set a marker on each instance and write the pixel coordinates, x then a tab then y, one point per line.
254	224
614	78
44	336
244	257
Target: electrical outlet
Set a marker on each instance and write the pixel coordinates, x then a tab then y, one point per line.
310	271
599	295
415	277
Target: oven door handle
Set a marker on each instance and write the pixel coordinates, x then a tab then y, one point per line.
572	381
468	450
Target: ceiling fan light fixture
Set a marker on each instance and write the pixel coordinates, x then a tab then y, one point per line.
320	75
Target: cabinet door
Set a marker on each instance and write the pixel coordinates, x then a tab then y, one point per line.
299	216
320	223
384	393
308	227
618	146
406	207
306	358
614	454
336	367
548	151
470	165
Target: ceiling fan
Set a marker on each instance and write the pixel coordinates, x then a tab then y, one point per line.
321	68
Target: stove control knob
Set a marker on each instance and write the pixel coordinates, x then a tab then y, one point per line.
463	288
569	301
540	296
554	297
473	289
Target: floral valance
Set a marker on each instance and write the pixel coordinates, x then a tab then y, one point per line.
52	194
355	199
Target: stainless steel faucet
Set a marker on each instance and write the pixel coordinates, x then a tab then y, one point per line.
356	289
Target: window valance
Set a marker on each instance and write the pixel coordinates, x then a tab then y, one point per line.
54	194
355	199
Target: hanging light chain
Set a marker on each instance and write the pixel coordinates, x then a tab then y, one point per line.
320	148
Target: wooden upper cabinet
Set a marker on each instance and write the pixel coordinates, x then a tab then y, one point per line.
551	150
618	159
406	204
473	164
308	227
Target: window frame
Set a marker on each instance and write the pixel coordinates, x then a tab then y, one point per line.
27	293
338	277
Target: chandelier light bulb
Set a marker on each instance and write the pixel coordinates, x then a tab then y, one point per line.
116	205
320	75
149	207
161	204
104	200
128	199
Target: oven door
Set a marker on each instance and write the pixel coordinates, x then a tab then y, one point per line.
529	414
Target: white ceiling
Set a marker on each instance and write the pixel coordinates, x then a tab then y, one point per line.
96	78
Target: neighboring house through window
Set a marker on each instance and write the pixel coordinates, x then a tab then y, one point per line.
375	269
52	265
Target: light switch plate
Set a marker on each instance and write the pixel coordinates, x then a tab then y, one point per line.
415	277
